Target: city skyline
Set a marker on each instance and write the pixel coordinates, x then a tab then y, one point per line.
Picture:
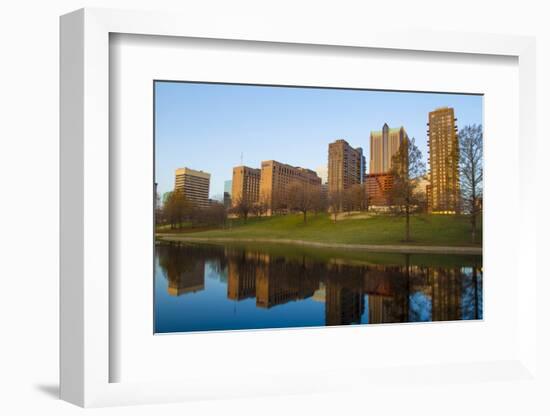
209	126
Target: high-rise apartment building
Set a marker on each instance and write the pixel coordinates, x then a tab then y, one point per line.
444	190
245	185
384	145
277	180
346	166
194	185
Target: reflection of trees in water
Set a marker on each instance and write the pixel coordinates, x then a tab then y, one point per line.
388	293
472	299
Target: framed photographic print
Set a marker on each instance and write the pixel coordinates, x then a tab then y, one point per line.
242	210
311	230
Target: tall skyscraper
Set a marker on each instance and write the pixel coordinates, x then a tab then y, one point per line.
384	145
346	166
278	178
245	185
444	190
194	184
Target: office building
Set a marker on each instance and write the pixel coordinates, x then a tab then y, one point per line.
384	145
277	180
443	147
378	187
245	185
194	185
227	185
346	166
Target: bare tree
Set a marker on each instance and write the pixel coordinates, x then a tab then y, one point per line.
303	197
358	198
258	208
158	209
471	172
214	214
407	169
242	208
335	202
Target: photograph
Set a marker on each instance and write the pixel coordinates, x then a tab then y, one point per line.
282	206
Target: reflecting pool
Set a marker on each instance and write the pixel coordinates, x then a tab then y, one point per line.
206	287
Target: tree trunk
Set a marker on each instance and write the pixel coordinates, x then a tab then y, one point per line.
305	217
407	226
474	207
473	220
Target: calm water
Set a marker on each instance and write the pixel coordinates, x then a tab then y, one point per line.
201	287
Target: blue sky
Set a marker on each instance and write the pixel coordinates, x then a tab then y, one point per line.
207	126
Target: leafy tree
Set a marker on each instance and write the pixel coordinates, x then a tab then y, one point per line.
177	209
471	172
407	170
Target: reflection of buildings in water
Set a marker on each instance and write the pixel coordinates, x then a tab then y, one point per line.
320	294
450	294
344	302
412	293
387	290
184	267
395	293
377	281
187	281
446	286
279	282
241	278
272	280
379	307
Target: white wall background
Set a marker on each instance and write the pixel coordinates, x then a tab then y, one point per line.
29	208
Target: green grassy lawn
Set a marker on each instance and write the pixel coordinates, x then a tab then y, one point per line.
439	230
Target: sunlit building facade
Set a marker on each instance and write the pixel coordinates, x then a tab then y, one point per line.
277	180
346	166
384	144
378	188
245	185
194	185
444	188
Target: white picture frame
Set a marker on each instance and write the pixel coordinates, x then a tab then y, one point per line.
85	212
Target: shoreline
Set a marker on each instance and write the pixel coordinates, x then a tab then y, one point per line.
377	248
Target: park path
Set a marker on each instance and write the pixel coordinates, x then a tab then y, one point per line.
379	248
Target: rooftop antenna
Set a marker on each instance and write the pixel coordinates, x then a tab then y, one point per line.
241	158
